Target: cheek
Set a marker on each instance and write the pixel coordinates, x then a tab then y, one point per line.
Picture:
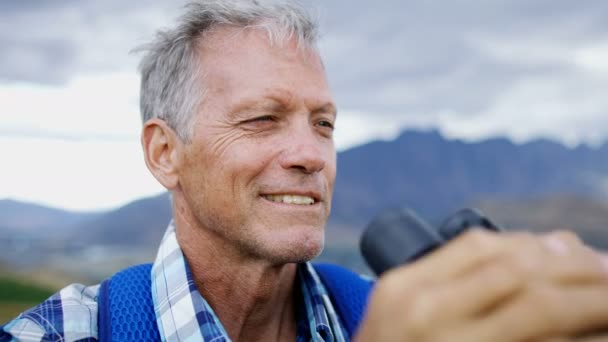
238	168
331	167
254	155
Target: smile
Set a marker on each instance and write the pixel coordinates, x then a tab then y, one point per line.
291	199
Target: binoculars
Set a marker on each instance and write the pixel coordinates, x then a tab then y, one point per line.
399	236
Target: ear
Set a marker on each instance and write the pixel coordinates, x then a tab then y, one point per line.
161	146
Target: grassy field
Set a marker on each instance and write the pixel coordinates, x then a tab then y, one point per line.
9	310
17	296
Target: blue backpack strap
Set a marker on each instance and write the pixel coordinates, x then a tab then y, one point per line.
348	291
126	308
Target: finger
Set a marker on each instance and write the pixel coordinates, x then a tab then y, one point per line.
477	247
565	241
574	269
463	253
556	257
482	291
471	250
598	338
464	297
549	311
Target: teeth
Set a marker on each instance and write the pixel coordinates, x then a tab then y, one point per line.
291	199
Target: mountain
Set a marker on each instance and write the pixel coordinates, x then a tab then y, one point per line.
85	247
139	223
25	219
587	217
434	175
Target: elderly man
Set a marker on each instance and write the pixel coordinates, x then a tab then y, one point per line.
237	123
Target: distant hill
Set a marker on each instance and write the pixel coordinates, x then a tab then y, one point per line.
434	175
141	222
28	218
587	217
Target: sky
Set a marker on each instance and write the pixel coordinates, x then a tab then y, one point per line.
69	117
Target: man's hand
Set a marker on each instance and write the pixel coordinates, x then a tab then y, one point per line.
493	287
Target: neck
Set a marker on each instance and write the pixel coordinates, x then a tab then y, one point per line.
252	298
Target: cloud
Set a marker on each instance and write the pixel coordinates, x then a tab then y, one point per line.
469	68
453	64
475	69
74	174
101	106
49	42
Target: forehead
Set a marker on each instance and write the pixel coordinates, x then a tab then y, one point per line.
225	41
237	62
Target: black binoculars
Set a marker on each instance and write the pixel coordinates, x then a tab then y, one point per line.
399	236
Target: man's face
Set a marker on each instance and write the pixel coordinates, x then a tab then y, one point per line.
260	169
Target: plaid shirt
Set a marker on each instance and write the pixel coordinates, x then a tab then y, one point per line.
181	312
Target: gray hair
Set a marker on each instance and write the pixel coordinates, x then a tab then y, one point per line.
171	75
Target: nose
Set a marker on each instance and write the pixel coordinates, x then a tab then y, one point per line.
304	151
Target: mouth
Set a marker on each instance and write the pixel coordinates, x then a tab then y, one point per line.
303	200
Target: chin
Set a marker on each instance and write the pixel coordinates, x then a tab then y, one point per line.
297	249
308	253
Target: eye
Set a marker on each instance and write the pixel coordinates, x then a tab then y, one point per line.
263	118
326	123
259	123
260	119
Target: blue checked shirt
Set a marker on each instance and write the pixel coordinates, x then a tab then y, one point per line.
181	312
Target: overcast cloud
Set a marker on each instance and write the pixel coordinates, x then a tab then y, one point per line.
474	68
52	41
470	68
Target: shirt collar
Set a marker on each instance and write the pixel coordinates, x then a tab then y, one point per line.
183	314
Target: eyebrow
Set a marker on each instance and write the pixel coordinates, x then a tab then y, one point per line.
267	103
328	107
276	103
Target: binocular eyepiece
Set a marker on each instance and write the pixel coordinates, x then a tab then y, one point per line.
399	236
